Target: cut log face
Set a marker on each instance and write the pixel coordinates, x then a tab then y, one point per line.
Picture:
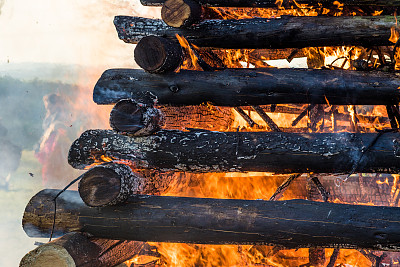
243	87
258	33
78	250
180	13
158	55
109	184
290	224
206	151
136	119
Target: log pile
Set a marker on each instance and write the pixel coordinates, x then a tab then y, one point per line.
173	118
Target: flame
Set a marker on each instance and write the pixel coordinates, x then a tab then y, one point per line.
191	60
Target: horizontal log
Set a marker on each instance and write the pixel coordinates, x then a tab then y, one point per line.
205	151
284	32
285	3
291	223
76	249
241	87
109	184
131	117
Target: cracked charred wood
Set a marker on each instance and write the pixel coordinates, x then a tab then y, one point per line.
285	3
109	184
129	117
158	55
284	32
206	151
219	221
77	249
181	13
242	87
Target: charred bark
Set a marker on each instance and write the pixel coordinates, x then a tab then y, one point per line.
291	224
284	32
285	3
205	151
76	249
109	184
241	87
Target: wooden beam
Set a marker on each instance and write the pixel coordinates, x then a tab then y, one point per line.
242	87
284	32
290	224
206	151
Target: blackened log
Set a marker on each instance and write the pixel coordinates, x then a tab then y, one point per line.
158	55
181	13
285	3
109	184
291	224
76	249
241	87
137	119
205	151
284	32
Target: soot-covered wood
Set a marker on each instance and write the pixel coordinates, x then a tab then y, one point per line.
206	151
284	32
284	3
77	249
241	87
291	223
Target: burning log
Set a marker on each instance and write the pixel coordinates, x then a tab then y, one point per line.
136	119
284	32
291	224
158	55
205	151
109	184
285	3
181	13
76	249
241	87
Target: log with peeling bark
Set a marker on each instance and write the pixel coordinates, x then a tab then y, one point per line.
76	249
206	151
291	223
284	3
241	87
284	32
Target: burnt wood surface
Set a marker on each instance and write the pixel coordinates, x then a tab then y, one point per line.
109	184
206	151
158	55
284	32
285	3
241	87
291	223
76	249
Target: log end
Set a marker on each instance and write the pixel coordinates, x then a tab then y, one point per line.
109	184
48	255
158	55
181	13
136	119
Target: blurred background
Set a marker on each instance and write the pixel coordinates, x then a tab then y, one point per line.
51	54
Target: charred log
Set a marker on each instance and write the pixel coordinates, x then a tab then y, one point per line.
76	249
135	119
285	3
284	32
181	13
158	55
109	184
219	221
205	151
241	87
